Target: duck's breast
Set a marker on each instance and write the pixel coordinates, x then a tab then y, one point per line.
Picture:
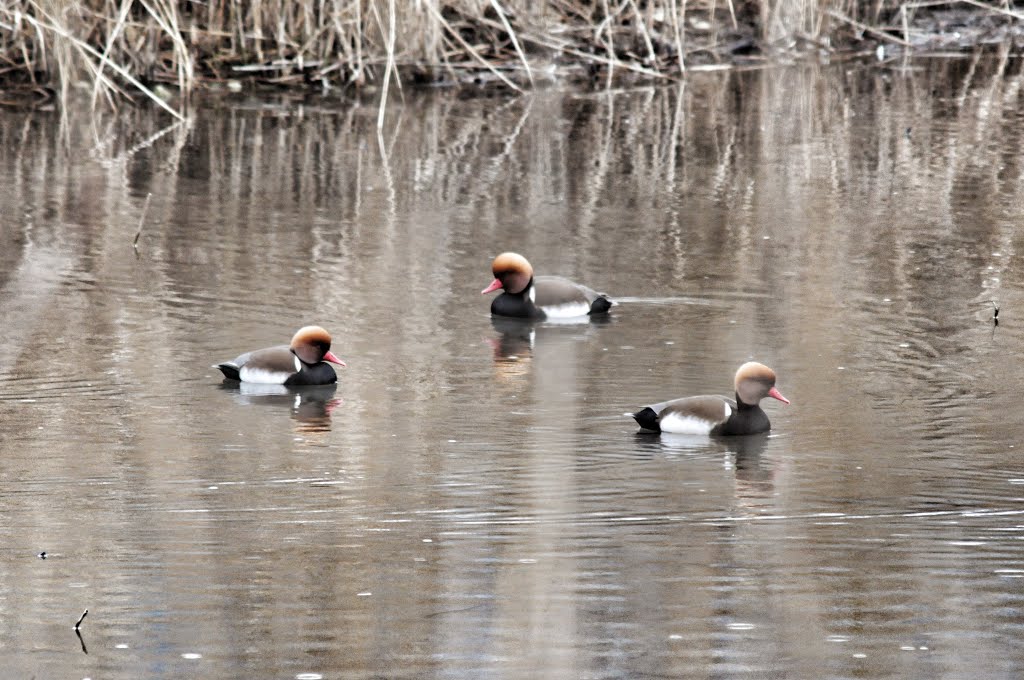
316	374
515	306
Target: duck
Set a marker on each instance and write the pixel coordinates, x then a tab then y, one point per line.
539	297
303	362
714	415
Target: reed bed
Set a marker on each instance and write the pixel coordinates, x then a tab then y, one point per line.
166	49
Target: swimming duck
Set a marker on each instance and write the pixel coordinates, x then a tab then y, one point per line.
713	415
303	362
539	297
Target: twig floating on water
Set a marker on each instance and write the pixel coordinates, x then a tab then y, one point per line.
142	218
995	312
80	619
81	640
42	555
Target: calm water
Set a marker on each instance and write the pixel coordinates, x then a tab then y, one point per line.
470	501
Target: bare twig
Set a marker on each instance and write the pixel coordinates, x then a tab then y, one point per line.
135	243
81	618
609	41
512	37
168	22
81	640
678	34
995	311
390	66
277	65
998	10
593	57
867	29
122	16
642	27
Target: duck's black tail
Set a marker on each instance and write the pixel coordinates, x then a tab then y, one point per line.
647	419
230	371
600	305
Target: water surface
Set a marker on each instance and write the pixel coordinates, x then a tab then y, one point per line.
470	501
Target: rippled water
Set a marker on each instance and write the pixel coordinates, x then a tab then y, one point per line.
470	501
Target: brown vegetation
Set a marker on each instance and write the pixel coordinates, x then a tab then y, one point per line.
144	45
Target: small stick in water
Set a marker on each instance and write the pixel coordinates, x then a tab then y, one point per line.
142	218
995	312
81	640
81	618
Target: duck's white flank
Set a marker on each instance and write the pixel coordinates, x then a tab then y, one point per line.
677	423
260	375
567	311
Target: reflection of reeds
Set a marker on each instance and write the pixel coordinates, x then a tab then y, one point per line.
743	152
339	43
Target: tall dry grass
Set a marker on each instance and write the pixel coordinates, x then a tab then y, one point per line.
166	48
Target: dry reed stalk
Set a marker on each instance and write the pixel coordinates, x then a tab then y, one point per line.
678	34
166	16
641	27
732	15
997	10
867	29
142	221
588	57
512	37
87	49
122	16
469	48
585	57
609	40
387	69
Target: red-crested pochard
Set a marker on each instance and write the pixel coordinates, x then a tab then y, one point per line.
539	297
714	415
301	363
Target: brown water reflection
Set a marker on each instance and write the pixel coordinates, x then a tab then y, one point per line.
470	501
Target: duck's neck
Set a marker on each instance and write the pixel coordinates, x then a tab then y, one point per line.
744	406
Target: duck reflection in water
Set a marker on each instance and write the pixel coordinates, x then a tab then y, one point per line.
311	405
515	338
754	476
513	347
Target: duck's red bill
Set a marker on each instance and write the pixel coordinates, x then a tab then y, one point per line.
777	395
333	359
495	285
